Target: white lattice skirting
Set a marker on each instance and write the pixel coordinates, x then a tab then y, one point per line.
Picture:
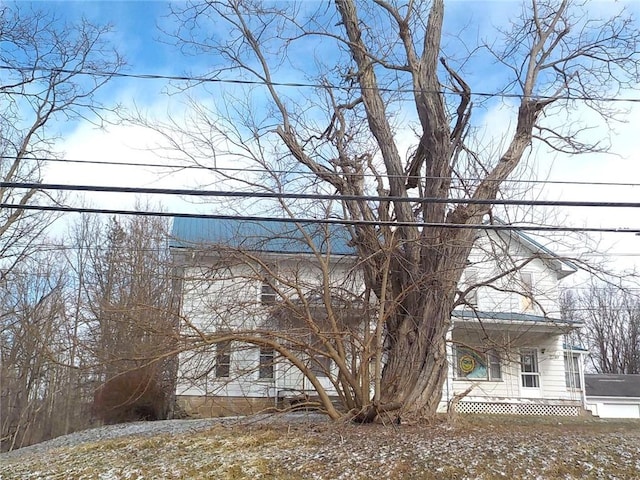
518	409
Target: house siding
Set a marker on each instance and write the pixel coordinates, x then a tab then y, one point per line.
501	296
228	298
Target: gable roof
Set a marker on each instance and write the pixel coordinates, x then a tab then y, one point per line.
561	266
260	236
612	385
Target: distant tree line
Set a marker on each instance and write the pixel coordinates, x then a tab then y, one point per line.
611	332
86	332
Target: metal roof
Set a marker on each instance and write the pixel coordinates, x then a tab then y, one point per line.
574	348
507	316
287	237
612	385
273	237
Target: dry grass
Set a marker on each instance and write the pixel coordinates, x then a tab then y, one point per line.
468	448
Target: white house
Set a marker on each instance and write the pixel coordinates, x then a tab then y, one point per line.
506	343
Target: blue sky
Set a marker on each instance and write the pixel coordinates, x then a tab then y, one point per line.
134	22
137	36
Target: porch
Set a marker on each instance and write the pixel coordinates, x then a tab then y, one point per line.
512	364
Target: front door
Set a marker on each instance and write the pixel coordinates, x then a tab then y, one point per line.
529	373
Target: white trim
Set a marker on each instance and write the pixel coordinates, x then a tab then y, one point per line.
591	399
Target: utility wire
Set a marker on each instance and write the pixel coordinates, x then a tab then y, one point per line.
313	196
58	247
237	81
321	221
302	172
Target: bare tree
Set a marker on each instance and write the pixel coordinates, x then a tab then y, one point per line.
51	71
130	320
379	71
35	342
49	74
309	317
611	332
89	335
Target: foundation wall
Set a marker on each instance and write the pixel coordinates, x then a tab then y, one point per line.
208	407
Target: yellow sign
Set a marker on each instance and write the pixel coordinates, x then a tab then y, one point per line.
467	364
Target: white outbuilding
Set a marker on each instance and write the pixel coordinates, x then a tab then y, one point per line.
613	396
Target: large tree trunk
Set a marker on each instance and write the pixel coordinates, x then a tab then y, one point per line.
416	365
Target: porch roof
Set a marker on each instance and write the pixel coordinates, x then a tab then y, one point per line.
509	317
574	348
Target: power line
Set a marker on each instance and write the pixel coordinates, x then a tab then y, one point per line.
567	255
238	81
312	196
321	221
302	172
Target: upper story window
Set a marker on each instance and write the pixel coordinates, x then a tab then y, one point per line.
477	365
471	280
526	283
268	293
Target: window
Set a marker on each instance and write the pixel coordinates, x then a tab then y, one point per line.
471	279
526	280
477	365
529	368
223	359
267	290
265	367
495	369
320	366
572	370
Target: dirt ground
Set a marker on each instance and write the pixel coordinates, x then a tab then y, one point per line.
308	447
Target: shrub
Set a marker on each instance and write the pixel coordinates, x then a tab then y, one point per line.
131	396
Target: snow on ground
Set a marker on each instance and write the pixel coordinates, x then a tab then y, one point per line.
306	446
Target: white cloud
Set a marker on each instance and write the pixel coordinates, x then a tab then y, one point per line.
120	144
618	167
